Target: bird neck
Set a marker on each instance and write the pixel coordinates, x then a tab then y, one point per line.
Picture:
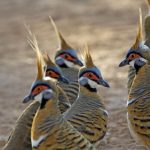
71	73
49	113
131	75
86	97
86	92
141	82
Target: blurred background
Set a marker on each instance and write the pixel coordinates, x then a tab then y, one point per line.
108	26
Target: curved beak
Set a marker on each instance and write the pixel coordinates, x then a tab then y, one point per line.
28	98
63	79
103	83
124	63
79	62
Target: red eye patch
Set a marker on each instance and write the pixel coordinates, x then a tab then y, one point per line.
133	56
67	57
52	74
91	76
39	89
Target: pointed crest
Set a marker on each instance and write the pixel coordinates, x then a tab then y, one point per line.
139	34
63	44
34	45
87	57
47	59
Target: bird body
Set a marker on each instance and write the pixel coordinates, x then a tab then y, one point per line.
71	89
21	134
88	113
139	106
50	131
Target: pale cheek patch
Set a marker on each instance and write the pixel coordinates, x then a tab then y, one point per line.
132	63
39	97
69	64
93	84
36	143
84	80
58	58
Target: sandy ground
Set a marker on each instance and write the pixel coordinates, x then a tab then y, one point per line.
108	26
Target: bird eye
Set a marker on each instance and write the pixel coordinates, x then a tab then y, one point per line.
66	56
52	74
37	90
89	75
133	56
69	57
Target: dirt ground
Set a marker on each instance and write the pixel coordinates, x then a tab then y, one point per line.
108	26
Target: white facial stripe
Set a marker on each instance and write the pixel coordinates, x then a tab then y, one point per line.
92	83
38	97
68	63
132	63
47	78
58	58
36	143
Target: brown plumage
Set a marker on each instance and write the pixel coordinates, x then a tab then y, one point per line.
88	113
20	136
50	131
139	107
138	57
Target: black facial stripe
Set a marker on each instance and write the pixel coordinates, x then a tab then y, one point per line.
88	72
40	84
137	68
43	103
133	52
